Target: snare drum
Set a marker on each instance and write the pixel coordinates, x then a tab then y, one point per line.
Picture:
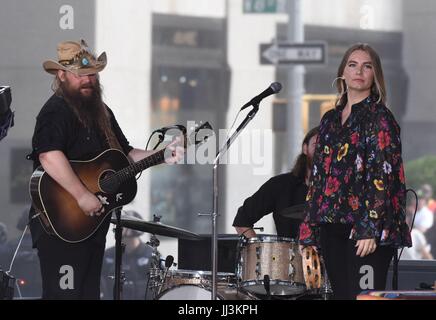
277	257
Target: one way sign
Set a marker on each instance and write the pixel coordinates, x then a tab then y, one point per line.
293	53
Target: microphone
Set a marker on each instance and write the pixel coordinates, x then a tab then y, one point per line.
275	87
162	131
176	126
169	261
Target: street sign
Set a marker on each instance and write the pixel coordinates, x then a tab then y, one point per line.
283	53
264	6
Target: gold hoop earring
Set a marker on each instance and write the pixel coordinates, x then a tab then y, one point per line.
342	85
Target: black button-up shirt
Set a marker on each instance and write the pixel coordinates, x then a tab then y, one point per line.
278	193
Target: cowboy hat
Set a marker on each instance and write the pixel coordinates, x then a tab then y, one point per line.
77	58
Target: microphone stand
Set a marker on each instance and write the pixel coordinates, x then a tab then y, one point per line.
214	214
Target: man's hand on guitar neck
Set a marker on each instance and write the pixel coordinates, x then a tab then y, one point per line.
174	151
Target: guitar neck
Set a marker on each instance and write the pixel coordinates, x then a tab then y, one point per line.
113	181
135	168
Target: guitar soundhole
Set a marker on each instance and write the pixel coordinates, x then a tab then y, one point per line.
108	182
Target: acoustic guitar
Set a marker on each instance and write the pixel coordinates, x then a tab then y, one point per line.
110	176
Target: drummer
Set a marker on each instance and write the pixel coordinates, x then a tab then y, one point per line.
278	193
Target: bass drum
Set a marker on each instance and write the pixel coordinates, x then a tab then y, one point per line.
194	292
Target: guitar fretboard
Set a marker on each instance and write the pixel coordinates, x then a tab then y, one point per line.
113	181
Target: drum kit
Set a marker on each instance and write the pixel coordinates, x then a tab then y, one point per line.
268	267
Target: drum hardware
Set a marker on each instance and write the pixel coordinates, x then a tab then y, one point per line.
155	279
258	253
118	255
258	228
326	289
154	227
267	286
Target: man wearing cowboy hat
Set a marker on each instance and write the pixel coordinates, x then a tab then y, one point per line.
75	124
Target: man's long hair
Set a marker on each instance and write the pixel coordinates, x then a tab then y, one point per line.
90	112
303	163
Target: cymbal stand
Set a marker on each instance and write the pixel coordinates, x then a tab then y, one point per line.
118	255
326	289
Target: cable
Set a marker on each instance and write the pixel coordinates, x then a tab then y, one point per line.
233	124
396	255
161	138
414	215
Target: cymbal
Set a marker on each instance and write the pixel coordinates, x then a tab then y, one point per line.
294	212
156	228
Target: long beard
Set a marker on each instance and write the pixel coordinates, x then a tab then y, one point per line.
88	108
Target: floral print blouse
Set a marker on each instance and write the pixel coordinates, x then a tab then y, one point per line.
358	176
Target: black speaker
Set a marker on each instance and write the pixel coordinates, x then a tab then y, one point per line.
413	274
197	254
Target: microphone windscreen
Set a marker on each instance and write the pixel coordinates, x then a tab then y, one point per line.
276	87
169	261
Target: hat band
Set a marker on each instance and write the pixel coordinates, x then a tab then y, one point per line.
66	62
82	60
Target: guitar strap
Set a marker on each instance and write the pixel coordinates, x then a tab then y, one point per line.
110	135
